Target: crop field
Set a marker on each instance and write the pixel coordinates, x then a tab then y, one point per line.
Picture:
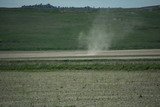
82	88
42	29
80	82
59	58
73	82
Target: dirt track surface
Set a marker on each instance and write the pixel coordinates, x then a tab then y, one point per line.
152	53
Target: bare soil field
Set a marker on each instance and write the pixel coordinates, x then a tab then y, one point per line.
80	89
48	80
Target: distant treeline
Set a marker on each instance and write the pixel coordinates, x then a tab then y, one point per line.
40	6
49	6
86	8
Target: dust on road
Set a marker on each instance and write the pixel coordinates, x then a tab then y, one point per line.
151	53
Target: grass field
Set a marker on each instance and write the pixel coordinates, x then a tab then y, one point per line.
62	78
41	29
90	64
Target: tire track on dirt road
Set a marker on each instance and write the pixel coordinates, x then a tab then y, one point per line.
77	55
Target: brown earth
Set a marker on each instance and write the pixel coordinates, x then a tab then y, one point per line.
80	89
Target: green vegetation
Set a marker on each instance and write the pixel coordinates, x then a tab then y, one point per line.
105	64
74	83
29	29
49	29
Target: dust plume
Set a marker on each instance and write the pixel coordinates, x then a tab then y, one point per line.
107	27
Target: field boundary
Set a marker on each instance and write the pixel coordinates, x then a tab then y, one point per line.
124	54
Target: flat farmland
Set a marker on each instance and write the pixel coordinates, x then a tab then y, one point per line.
84	88
56	58
79	81
42	29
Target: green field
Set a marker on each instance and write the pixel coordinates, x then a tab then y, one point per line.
42	29
132	81
93	64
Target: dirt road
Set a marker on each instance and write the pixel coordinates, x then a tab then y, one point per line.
79	88
152	53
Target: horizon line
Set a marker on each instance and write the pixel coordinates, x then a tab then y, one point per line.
79	6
